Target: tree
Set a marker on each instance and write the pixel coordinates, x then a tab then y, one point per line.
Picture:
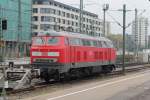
117	40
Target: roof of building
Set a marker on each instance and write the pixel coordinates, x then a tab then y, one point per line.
67	6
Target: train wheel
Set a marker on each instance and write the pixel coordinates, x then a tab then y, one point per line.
65	77
88	71
57	76
47	79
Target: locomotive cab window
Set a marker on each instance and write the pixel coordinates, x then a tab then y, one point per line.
74	41
95	43
53	40
86	42
104	44
38	41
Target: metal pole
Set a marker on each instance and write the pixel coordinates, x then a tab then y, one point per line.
81	15
31	28
136	34
104	10
19	27
124	31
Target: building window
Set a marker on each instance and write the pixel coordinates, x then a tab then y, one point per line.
90	20
68	15
97	22
46	27
93	22
60	6
35	26
53	19
72	16
100	23
76	16
46	2
63	21
40	2
76	24
77	11
73	10
45	10
84	19
55	5
50	3
87	26
77	30
64	14
83	25
35	10
53	11
87	20
99	29
68	22
58	12
48	19
45	18
35	18
72	23
58	20
34	33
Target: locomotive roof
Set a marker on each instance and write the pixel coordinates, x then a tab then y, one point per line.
76	35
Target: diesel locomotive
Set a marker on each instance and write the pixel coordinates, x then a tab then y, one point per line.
62	55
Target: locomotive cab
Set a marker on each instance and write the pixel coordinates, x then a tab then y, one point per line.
46	49
47	54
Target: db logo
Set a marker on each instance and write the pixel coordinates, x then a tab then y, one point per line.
44	54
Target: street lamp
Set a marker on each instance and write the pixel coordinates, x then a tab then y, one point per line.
105	8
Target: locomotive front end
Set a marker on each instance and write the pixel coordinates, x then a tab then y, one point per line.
47	55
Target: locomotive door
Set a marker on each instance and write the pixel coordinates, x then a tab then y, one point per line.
72	55
109	53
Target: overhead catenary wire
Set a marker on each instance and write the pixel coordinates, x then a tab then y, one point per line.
117	22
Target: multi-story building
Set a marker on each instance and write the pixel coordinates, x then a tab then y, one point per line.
140	36
52	15
17	37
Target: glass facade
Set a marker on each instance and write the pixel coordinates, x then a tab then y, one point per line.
9	11
17	37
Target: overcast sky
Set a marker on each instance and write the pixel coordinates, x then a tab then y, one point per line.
95	6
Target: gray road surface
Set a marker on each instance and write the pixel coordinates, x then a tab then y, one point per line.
121	88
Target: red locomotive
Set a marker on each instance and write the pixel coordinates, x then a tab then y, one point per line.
61	55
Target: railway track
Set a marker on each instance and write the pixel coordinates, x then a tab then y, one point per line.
116	73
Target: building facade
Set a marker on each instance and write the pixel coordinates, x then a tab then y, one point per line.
17	37
140	36
52	15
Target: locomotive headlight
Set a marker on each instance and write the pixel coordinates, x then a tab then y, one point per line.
36	54
56	54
